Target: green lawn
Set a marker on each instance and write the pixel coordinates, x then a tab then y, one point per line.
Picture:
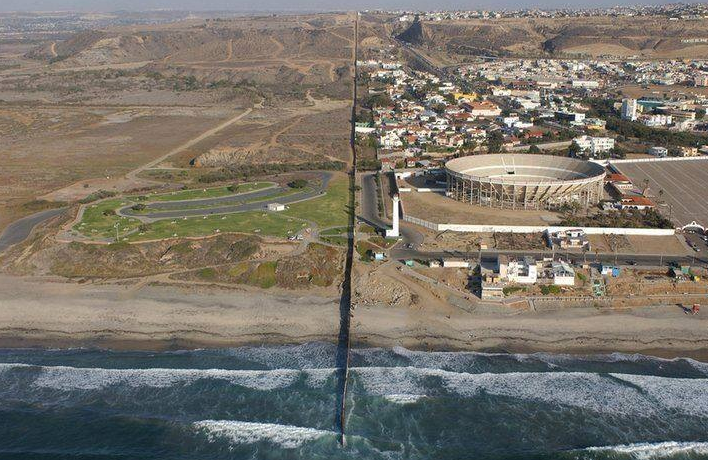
256	222
338	240
329	210
215	192
96	224
335	231
242	200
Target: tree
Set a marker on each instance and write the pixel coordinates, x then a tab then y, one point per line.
298	183
618	152
495	140
574	149
534	149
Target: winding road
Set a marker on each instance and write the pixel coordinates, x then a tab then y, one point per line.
19	230
226	204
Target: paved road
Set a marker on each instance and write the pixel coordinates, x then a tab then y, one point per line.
643	260
172	210
17	231
370	212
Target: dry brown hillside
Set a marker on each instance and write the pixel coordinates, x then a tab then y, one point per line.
645	37
77	115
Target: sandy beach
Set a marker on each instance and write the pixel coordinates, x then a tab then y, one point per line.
54	313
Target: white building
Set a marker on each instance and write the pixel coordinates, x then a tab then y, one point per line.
595	145
585	84
658	151
563	274
390	140
276	207
522	271
629	109
657	120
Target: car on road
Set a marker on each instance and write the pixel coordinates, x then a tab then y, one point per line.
631	262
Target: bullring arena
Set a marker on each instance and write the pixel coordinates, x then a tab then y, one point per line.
524	181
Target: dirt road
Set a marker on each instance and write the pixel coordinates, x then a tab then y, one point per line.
134	173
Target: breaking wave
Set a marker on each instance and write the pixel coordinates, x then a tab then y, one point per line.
611	393
74	378
652	451
286	436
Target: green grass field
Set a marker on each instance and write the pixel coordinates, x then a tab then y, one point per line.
98	220
326	211
215	192
334	231
237	200
256	222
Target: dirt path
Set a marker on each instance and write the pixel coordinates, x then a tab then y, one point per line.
280	46
53	49
229	52
133	174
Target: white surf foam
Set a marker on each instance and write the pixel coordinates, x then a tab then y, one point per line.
688	396
403	398
75	378
304	356
601	393
286	436
651	451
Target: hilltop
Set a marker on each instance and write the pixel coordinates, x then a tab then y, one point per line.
642	37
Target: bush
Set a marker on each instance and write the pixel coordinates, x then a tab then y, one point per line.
512	289
109	212
550	289
298	183
207	273
40	205
95	196
233	187
138	207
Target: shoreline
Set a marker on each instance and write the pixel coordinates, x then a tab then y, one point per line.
437	344
161	318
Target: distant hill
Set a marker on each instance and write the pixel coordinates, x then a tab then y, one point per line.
647	37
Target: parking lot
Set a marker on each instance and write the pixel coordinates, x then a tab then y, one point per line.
684	185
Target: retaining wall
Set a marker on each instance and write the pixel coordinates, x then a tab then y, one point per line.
469	228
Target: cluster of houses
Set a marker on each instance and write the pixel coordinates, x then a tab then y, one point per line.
504	271
677	11
675	115
525	103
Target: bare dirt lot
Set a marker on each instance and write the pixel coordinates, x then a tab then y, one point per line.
634	244
438	208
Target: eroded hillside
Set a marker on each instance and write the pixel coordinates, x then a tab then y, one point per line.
647	37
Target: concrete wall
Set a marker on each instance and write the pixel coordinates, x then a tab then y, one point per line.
536	229
652	160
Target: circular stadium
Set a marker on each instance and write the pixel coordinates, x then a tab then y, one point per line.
525	181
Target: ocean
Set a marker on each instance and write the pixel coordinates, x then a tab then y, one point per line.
279	403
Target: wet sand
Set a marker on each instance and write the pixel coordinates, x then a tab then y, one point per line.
55	313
